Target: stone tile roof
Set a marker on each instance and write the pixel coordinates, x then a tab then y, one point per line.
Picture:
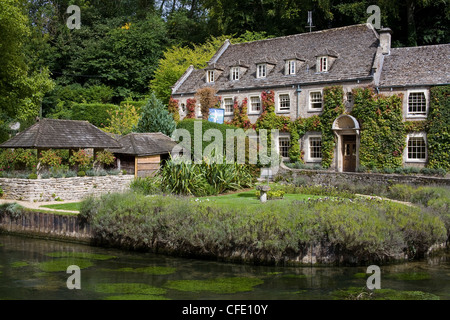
61	134
426	65
355	48
145	144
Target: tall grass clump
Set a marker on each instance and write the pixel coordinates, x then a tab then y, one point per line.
205	178
367	230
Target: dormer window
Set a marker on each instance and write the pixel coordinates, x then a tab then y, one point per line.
261	70
234	73
210	76
322	64
292	67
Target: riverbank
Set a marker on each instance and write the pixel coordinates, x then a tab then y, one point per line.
328	231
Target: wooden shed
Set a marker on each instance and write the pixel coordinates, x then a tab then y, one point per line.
143	153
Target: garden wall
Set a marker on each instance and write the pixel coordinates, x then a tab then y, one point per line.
330	177
75	188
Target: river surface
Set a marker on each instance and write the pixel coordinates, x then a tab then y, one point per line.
36	269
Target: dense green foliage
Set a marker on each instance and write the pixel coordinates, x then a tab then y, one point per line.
96	113
368	229
383	133
438	134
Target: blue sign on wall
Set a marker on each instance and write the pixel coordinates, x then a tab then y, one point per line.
216	115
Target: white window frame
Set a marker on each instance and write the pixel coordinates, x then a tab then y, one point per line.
322	64
310	108
279	110
308	157
283	136
292	67
250	109
234	74
261	70
415	135
427	102
225	106
183	108
210	77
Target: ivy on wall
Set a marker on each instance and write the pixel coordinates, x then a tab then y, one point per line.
190	107
383	132
173	109
438	135
240	117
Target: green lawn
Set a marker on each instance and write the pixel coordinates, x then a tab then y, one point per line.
248	198
72	206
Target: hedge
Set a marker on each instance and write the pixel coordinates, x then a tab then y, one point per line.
96	113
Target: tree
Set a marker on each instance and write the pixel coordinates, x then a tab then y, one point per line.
123	120
208	99
155	118
22	87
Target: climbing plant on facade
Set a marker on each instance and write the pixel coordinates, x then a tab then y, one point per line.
438	135
383	132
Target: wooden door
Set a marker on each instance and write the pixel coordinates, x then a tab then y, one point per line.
349	151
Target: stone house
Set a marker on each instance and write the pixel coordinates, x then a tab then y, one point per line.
297	68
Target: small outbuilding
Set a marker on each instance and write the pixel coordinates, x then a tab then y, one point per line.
143	153
62	134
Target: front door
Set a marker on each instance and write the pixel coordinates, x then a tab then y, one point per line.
349	150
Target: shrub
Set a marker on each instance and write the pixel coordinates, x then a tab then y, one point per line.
81	159
366	229
147	185
50	158
81	174
105	157
1	192
32	176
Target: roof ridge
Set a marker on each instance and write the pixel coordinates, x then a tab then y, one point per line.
302	34
424	46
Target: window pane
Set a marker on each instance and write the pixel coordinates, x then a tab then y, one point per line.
235	73
292	68
228	105
261	72
255	104
315	147
416	148
284	145
285	102
315	99
417	103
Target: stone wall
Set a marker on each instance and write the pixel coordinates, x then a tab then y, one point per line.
75	188
330	177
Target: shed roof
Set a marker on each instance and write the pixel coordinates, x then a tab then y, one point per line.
145	144
415	66
61	134
354	46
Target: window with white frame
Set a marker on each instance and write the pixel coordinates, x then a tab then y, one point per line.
292	67
234	73
315	148
210	76
349	97
417	103
284	102
322	63
315	100
255	104
228	105
183	108
284	143
261	70
416	148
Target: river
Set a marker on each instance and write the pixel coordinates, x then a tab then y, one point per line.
36	269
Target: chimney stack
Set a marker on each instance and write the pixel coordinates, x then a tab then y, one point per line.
385	40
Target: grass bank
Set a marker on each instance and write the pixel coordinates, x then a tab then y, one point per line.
358	230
